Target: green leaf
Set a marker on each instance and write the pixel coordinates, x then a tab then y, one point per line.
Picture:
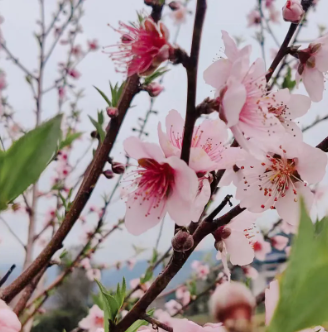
22	164
96	298
104	96
303	299
136	325
288	82
99	128
148	275
159	72
69	139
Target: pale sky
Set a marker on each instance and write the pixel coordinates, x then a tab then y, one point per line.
97	69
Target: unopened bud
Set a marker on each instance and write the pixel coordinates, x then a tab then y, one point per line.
154	89
112	112
182	241
94	134
293	11
108	174
232	303
175	5
118	168
149	2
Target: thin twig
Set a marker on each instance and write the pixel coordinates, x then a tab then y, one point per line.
156	323
6	276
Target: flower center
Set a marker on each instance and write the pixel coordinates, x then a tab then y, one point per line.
154	181
99	321
257	246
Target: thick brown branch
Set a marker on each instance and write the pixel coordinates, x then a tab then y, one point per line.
192	68
177	261
323	145
83	195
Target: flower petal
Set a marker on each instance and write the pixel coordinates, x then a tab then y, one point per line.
231	50
141	215
166	145
201	200
233	102
217	73
313	81
321	59
137	149
298	105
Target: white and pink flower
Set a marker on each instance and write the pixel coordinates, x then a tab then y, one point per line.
277	180
94	320
202	270
159	185
183	295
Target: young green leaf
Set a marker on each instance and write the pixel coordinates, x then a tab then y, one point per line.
22	164
99	128
104	96
303	299
148	275
69	139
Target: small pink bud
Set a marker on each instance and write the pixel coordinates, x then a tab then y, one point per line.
182	241
61	93
118	168
108	174
232	303
154	89
93	45
112	112
293	11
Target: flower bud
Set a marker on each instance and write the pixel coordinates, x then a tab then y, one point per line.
293	11
112	112
118	168
232	303
108	174
182	241
154	89
175	5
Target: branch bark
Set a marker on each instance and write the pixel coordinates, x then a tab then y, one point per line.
191	65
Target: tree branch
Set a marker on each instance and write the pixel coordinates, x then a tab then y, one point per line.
156	323
191	65
83	195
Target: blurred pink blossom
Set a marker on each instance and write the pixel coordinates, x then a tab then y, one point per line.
94	320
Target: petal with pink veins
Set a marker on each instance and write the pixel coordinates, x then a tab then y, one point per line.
200	161
141	215
241	252
231	49
166	145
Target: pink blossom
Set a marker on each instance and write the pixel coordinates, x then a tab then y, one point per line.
277	180
93	44
142	49
159	185
274	15
254	18
208	150
93	274
210	327
271	300
93	321
142	288
185	325
3	82
202	270
313	63
131	263
288	228
287	107
243	102
85	263
77	50
236	239
269	3
183	295
61	93
172	307
154	89
279	242
73	73
9	322
293	11
250	272
232	300
217	73
261	248
179	15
